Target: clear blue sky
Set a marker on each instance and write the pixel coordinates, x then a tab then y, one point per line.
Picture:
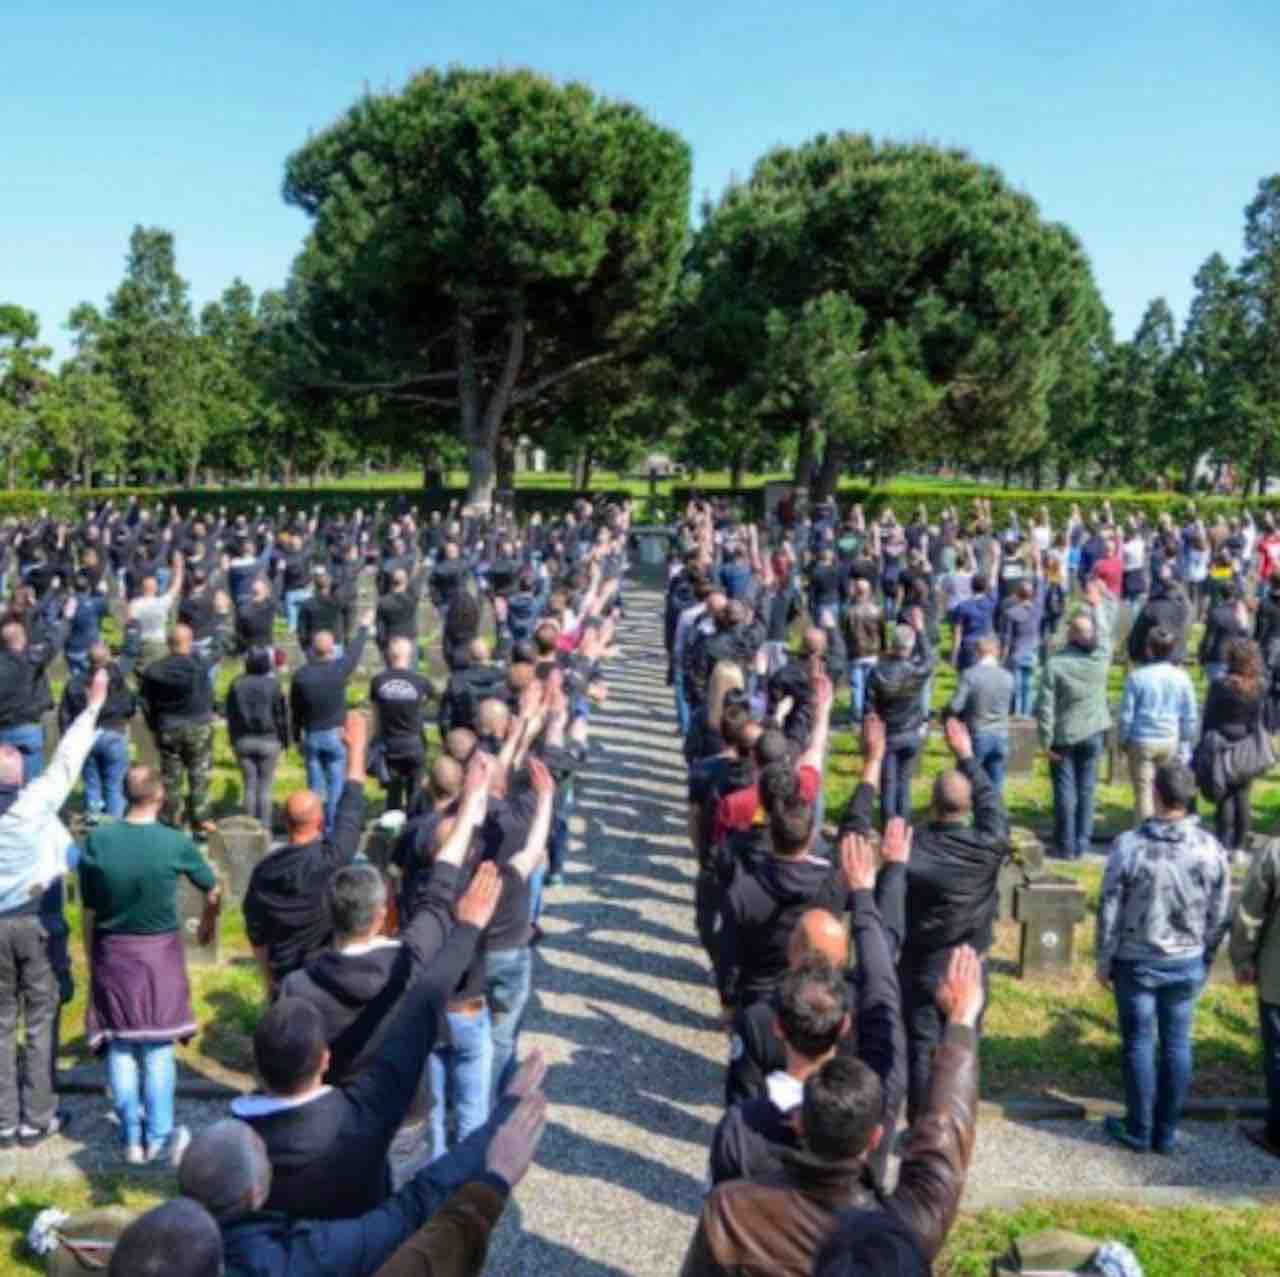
1143	124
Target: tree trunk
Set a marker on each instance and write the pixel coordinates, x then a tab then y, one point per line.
806	456
829	476
1263	460
193	472
506	462
736	466
480	428
580	470
588	461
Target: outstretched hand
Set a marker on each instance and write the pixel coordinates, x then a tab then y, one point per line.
858	861
895	845
480	900
510	1152
960	995
959	742
874	737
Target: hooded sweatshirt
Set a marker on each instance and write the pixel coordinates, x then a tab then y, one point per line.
760	906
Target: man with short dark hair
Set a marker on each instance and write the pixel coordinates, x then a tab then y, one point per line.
779	1223
108	761
1157	717
1165	908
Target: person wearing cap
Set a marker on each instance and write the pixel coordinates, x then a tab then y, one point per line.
1164	910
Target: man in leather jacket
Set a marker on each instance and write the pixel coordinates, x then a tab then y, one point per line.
895	694
779	1222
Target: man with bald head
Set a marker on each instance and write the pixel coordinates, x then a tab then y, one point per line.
477	679
397	614
318	706
34	847
951	897
177	701
285	908
399	695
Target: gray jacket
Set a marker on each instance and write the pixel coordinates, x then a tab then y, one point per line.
982	698
1166	894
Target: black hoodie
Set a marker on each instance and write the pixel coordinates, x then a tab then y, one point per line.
356	993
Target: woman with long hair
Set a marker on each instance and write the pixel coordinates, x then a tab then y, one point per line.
1232	709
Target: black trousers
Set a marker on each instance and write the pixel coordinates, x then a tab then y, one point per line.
28	990
1269	1020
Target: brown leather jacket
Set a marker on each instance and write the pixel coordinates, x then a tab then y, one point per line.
777	1224
864	630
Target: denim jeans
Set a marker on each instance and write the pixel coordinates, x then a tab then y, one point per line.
460	1074
77	662
293	600
1075	780
1155	1003
536	880
1269	1021
142	1077
991	749
682	705
104	773
1024	669
1214	670
326	758
895	786
28	740
858	674
508	978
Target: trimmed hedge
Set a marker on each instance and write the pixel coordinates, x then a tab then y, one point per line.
904	499
750	501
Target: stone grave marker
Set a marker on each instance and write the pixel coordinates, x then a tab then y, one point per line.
1028	859
143	743
190	911
235	847
1024	745
1222	971
1049	907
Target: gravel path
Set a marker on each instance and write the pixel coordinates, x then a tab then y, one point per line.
625	1012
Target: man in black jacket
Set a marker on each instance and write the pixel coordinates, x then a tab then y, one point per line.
358	983
318	705
397	614
895	694
1167	607
228	1172
400	694
478	680
1227	620
322	611
256	617
177	699
31	644
951	897
328	1145
286	910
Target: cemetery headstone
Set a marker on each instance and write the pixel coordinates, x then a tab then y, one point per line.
236	846
190	911
1049	907
1024	744
145	753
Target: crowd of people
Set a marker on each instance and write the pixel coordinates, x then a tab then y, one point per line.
847	947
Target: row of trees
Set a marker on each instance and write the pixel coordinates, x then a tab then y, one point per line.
492	255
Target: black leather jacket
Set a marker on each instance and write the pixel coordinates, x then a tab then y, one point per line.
896	689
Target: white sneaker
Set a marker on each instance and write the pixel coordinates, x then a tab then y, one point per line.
179	1140
134	1156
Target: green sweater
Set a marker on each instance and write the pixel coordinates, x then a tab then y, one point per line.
1255	933
129	876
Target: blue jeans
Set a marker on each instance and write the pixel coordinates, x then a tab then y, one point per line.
28	740
142	1077
991	749
895	785
1075	780
682	705
536	880
326	758
77	662
858	672
508	979
459	1074
1214	670
1156	1000
293	600
104	773
1024	669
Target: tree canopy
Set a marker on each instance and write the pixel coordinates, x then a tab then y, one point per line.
478	238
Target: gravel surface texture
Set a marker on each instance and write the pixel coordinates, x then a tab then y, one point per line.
625	1011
